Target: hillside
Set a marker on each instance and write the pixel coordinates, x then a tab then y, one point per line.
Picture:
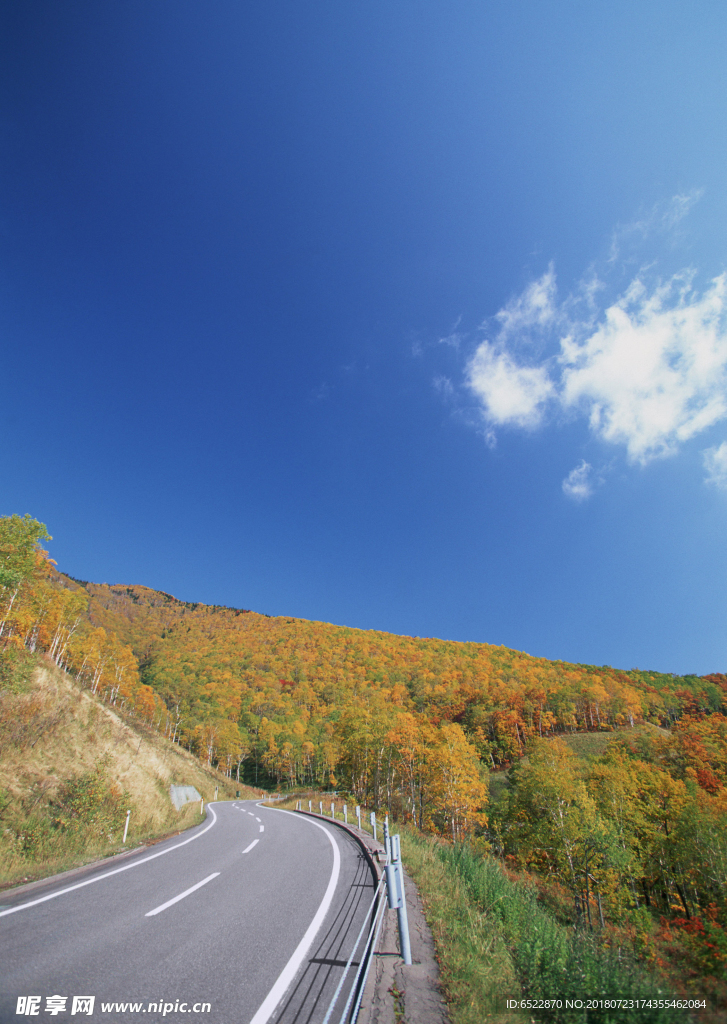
71	767
209	662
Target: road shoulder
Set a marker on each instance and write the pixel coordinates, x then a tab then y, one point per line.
395	993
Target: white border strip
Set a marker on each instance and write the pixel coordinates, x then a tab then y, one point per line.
176	899
280	987
107	874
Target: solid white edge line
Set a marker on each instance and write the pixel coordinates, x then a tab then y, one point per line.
253	843
176	899
280	987
107	874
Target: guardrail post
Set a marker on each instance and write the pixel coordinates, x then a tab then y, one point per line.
126	826
358	815
345	814
373	825
403	920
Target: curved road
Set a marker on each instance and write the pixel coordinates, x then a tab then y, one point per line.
247	918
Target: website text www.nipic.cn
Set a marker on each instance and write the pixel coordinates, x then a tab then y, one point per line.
32	1006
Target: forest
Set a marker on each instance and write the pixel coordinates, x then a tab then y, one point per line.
609	783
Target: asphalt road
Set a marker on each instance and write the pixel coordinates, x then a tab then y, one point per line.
253	912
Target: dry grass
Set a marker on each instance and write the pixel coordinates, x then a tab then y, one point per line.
54	737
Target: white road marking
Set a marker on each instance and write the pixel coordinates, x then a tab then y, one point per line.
169	903
280	987
107	874
253	843
256	818
262	828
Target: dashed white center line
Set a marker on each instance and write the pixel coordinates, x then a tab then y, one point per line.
169	903
257	819
262	828
253	843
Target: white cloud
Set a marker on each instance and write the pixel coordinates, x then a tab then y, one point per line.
577	484
654	372
679	206
444	386
715	462
645	367
662	218
534	308
508	393
648	373
453	339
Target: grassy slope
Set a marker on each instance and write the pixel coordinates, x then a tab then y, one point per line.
497	941
52	732
593	744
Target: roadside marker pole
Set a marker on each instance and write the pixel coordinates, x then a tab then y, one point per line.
345	814
373	825
126	826
216	788
320	806
201	805
310	806
404	944
358	815
333	810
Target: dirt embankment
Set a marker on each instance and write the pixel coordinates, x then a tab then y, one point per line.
71	767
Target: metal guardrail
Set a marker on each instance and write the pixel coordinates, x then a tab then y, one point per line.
393	879
364	959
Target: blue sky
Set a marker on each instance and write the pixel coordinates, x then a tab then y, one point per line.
404	316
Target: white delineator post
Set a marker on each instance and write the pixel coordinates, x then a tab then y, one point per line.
345	814
320	806
126	826
358	815
397	897
310	806
201	805
333	809
372	819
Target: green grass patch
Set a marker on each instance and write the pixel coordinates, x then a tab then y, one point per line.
496	941
16	668
477	970
497	783
593	744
